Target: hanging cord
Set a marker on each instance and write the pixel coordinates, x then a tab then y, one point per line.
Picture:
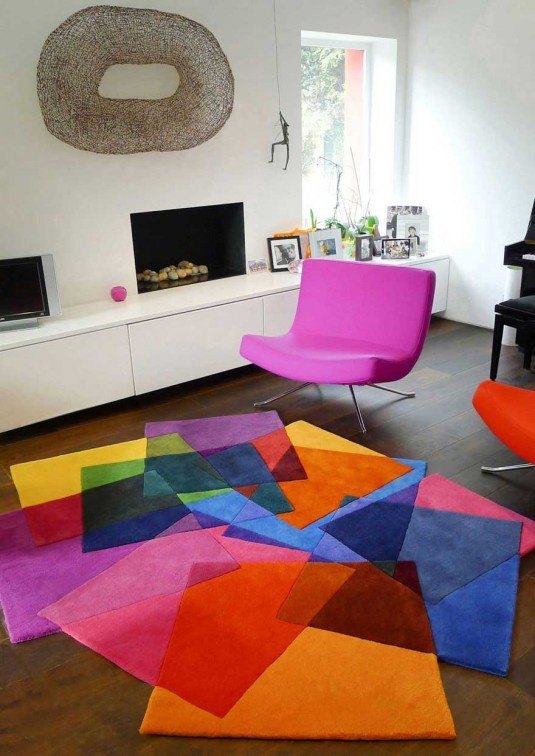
276	51
285	127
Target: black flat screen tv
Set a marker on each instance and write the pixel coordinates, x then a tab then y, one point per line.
28	288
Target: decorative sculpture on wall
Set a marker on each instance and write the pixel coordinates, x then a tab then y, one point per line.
76	55
285	126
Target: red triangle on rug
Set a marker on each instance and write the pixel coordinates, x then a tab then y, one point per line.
247	491
373	606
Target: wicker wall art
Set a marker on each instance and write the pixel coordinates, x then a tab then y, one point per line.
76	55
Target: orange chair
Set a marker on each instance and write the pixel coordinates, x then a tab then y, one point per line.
509	412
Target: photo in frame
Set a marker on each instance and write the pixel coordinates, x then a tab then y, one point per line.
396	249
415	228
283	251
364	248
257	266
378	245
393	210
326	243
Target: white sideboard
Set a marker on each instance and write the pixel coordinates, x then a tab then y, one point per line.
64	375
104	351
440	264
183	347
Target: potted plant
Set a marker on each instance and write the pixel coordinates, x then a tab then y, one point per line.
357	221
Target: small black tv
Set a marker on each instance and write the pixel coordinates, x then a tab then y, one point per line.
28	290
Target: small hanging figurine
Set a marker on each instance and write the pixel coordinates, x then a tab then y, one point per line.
285	126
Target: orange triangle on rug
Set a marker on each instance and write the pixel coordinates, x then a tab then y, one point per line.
324	686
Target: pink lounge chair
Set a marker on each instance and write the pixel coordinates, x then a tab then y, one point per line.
357	324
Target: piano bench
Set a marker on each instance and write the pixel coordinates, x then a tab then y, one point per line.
520	314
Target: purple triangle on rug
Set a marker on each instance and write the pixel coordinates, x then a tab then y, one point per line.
329	549
185	525
251	511
207	433
23	589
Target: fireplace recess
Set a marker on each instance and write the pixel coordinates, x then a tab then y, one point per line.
210	237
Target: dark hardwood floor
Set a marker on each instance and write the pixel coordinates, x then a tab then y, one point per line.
58	697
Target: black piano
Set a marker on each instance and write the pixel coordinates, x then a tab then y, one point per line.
513	255
518	313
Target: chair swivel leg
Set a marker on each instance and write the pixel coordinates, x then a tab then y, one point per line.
280	396
506	468
357	408
409	394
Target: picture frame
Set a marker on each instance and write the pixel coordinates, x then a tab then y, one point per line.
257	266
283	251
364	247
394	210
415	228
396	249
326	244
378	245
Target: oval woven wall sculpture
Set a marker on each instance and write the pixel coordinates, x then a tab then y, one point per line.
76	55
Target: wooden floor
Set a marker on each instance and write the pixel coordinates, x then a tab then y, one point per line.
57	697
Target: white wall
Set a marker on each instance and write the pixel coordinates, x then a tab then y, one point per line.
76	205
471	156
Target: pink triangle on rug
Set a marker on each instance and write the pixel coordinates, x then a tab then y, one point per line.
185	525
249	551
436	492
133	637
161	566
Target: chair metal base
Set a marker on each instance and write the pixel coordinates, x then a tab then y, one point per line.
409	394
506	468
271	399
360	418
280	396
357	409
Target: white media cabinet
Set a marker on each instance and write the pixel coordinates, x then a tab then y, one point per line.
104	351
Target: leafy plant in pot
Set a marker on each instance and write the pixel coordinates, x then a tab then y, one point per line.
366	226
357	221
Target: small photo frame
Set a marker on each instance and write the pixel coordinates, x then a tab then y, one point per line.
326	244
257	266
378	245
283	251
364	248
393	210
415	228
396	249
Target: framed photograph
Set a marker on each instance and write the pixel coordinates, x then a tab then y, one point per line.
283	251
364	247
326	243
393	210
415	228
378	245
396	249
257	266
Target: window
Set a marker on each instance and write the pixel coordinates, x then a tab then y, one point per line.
347	131
334	130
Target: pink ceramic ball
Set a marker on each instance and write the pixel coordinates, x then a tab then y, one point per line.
118	293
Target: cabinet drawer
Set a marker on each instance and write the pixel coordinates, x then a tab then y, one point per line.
53	378
178	348
442	272
279	312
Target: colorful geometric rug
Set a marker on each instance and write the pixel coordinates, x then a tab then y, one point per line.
268	581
